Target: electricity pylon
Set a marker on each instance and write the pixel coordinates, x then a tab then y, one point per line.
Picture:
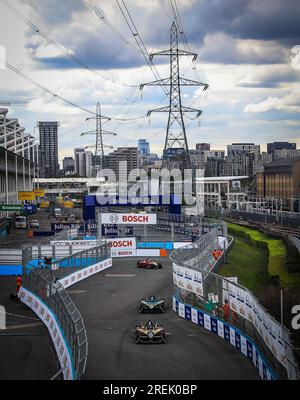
176	133
99	132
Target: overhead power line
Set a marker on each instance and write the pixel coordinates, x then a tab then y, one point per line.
69	53
137	37
99	14
20	73
71	103
178	22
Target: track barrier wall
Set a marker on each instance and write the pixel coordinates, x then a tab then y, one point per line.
44	292
227	332
197	286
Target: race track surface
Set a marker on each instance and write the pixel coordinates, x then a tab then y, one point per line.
109	304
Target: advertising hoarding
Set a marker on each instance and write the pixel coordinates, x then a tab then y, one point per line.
188	279
245	304
23	196
132	219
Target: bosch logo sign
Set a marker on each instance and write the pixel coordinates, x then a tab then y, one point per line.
122	243
114	218
134	219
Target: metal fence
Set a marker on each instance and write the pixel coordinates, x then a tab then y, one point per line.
43	282
33	258
215	289
193	225
57	299
281	218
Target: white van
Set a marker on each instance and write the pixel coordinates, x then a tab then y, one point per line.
20	222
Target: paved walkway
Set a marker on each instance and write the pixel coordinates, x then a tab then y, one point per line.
25	346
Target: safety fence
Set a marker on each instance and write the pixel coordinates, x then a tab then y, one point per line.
197	287
33	258
44	291
193	225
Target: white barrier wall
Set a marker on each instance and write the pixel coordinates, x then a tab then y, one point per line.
48	318
136	253
63	351
85	273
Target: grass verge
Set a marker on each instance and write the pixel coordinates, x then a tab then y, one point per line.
276	252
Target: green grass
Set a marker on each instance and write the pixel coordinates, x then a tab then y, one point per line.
275	248
248	264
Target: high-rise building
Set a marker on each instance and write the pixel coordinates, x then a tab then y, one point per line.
128	154
242	148
203	146
144	147
83	162
78	161
49	148
260	160
227	167
272	147
199	156
88	160
68	165
243	154
286	153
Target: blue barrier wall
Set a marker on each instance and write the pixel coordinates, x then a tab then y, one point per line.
7	270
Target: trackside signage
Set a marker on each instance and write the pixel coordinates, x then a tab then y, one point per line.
57	335
132	219
74	243
122	247
122	243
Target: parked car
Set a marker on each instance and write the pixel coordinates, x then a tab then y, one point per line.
34	223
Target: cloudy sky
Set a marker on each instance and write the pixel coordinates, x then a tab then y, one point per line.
248	53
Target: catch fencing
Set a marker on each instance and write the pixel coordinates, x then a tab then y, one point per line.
196	285
42	281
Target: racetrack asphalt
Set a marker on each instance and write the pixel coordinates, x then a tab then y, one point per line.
109	304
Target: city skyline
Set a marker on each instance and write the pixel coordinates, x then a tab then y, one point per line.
251	70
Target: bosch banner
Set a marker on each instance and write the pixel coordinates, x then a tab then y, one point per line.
122	243
122	247
133	219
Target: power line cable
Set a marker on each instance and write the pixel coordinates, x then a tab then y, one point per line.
141	45
178	22
45	89
99	14
60	47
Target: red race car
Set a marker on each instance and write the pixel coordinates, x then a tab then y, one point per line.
149	264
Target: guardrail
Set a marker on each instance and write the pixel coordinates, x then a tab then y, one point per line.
197	286
46	295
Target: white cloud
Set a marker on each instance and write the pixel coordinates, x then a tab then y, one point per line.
290	102
222	103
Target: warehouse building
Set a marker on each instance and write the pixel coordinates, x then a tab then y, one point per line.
281	180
